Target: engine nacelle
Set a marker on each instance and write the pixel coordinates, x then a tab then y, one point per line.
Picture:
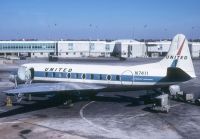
25	74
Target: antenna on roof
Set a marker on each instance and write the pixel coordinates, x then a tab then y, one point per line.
133	33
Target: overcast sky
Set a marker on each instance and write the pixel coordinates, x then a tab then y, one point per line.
104	19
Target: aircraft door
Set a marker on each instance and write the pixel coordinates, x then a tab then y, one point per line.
130	48
127	78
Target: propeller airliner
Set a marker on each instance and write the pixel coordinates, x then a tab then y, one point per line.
40	78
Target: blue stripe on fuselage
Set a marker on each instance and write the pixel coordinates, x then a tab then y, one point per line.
125	78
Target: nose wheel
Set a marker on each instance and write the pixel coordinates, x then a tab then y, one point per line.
19	97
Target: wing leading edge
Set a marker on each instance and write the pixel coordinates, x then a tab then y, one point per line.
52	87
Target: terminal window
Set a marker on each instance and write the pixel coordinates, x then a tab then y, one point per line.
70	46
107	47
92	46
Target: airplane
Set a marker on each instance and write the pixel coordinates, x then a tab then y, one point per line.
41	78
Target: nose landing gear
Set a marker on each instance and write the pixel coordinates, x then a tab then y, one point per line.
19	97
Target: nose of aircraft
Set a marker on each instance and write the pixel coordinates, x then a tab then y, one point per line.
24	74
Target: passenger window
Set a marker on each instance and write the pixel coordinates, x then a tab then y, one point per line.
117	77
83	76
92	76
108	77
100	77
69	75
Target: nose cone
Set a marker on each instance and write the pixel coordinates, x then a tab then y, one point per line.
22	73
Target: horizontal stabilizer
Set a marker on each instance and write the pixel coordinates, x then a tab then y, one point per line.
177	75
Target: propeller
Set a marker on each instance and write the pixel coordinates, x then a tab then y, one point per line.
13	78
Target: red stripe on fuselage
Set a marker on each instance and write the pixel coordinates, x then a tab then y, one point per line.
179	51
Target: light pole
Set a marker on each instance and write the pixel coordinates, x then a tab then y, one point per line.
145	26
133	33
192	34
90	26
96	27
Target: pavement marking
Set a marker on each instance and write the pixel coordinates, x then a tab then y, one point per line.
176	105
144	114
88	121
14	122
116	121
139	115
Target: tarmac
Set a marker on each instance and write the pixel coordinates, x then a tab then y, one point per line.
113	115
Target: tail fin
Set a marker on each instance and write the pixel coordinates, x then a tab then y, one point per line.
179	56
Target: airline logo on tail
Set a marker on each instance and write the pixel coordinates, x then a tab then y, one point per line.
180	49
177	56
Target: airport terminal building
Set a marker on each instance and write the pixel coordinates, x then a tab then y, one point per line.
32	48
62	49
84	48
160	48
125	48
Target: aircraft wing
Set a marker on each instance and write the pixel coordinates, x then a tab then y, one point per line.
52	87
